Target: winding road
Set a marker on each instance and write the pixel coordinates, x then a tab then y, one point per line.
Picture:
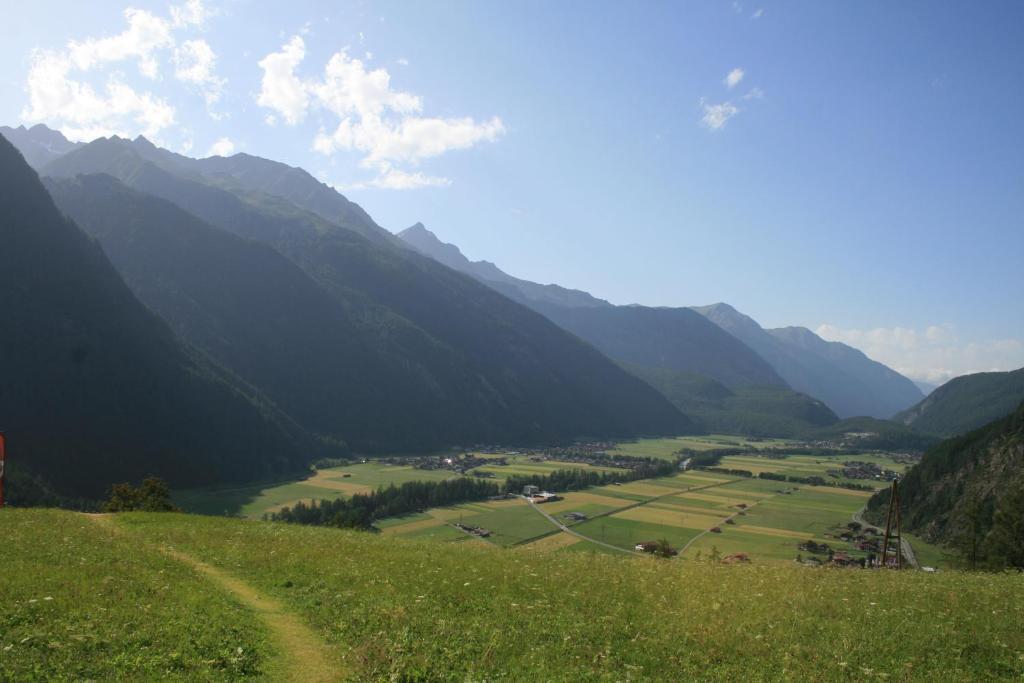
908	550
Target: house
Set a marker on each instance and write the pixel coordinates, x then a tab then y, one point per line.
646	546
575	516
546	497
530	490
715	530
736	558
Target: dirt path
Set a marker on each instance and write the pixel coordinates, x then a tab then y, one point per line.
306	657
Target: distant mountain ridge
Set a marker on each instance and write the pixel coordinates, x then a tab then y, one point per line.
675	339
844	378
427	243
966	403
38	144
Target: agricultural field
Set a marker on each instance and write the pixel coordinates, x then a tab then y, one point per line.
387	608
667	448
254	500
812	465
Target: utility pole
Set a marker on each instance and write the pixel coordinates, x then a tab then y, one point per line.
3	458
892	529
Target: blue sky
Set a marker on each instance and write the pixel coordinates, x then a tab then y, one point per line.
852	167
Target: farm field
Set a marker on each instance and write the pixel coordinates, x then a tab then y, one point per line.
811	465
397	609
668	447
255	500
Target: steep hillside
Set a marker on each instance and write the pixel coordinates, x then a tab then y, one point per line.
849	382
966	403
258	314
873	433
95	388
751	411
493	370
969	492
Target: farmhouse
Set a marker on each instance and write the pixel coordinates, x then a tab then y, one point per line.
575	516
545	497
530	490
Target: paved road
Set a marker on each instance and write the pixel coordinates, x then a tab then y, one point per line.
578	535
908	550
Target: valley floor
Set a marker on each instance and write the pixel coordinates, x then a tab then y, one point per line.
145	596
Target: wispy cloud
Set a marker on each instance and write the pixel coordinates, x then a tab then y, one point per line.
717	115
385	125
758	13
733	78
932	354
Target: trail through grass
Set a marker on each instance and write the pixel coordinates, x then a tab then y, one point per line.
306	659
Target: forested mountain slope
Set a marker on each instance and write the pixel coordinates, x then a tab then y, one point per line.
968	492
966	403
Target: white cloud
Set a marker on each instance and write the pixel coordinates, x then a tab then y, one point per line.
717	115
281	90
754	93
758	13
402	61
934	354
193	13
733	78
383	124
60	94
194	62
222	148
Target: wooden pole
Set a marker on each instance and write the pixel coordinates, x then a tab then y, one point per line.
888	526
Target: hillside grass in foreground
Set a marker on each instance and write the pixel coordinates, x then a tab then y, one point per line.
78	602
410	610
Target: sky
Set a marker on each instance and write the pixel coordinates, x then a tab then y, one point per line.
855	168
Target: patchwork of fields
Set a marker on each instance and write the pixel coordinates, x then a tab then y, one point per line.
775	517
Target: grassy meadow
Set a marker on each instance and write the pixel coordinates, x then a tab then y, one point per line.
390	608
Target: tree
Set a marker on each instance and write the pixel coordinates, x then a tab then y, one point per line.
1005	542
153	495
970	529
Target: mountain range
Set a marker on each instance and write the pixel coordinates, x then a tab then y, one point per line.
677	340
330	333
356	341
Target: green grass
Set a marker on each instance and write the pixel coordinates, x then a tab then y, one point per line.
406	610
81	603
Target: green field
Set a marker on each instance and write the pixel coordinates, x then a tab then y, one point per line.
254	500
384	608
811	465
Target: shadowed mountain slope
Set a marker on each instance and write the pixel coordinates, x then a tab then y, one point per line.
490	368
96	389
